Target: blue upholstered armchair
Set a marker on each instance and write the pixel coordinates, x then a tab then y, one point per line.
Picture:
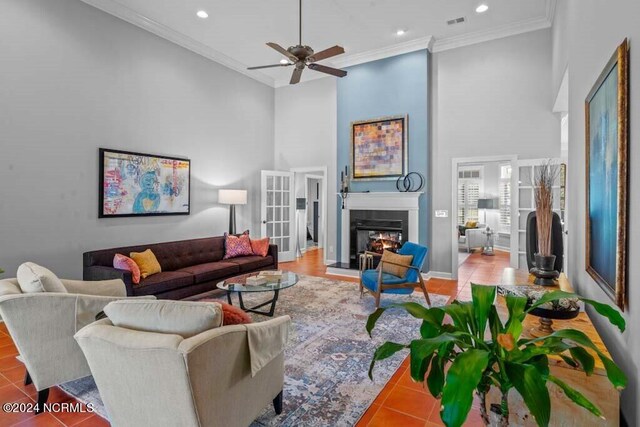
378	282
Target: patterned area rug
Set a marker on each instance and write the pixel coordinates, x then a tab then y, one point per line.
328	355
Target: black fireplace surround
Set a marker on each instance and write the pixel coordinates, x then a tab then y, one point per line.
376	230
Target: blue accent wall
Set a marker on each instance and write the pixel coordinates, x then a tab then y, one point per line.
392	86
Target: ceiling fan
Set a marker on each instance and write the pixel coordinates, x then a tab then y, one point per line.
303	56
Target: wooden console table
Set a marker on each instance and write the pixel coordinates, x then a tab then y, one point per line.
596	388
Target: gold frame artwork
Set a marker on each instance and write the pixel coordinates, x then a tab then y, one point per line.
616	290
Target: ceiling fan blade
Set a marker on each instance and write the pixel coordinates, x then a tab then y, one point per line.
327	53
282	50
327	70
269	66
295	77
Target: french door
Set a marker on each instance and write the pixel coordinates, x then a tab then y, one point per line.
277	212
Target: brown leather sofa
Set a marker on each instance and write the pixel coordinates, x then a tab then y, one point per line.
189	267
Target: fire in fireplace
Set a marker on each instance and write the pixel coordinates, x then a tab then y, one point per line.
376	231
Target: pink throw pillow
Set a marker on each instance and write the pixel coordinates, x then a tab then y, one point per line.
122	262
235	246
260	247
232	315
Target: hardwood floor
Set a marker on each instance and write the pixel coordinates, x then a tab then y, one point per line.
401	402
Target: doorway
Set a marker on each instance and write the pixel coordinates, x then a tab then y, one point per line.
483	208
310	186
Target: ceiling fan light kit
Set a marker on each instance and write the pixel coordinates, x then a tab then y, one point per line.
302	57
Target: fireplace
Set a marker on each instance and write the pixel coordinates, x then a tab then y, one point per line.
375	231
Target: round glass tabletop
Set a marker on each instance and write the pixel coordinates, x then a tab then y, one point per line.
239	283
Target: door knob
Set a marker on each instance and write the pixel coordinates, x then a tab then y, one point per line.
264	221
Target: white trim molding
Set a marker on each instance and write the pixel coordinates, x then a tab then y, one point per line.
513	29
131	16
384	52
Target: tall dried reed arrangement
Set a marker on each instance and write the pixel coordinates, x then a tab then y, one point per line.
544	178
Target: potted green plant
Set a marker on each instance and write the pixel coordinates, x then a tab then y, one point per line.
457	359
544	178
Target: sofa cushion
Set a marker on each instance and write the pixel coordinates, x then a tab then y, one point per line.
236	246
35	278
184	318
122	262
211	271
251	263
163	282
147	262
260	247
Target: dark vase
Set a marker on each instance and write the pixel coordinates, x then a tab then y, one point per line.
544	270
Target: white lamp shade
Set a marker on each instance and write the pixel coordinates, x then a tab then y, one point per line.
232	197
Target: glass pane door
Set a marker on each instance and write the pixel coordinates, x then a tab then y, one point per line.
278	212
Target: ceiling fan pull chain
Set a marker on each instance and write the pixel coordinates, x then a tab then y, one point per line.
300	24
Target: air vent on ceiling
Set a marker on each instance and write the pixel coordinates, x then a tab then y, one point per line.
456	21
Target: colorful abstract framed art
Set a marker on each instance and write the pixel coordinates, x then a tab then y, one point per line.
137	184
607	177
379	148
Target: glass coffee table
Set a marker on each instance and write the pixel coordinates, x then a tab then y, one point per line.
238	284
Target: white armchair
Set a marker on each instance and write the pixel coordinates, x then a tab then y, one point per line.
213	376
473	238
42	325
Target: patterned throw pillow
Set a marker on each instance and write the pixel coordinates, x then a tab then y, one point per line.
235	246
260	247
122	262
147	262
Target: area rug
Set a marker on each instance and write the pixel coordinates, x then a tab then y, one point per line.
328	355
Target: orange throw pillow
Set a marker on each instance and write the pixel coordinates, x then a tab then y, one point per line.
147	262
122	262
396	270
260	247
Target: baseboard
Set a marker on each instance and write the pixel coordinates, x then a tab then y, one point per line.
329	262
438	275
343	272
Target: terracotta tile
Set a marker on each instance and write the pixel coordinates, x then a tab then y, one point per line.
406	381
40	420
384	393
5	340
11	393
3	328
15	374
4	381
396	376
368	415
386	417
93	421
8	350
72	418
10	419
9	362
411	402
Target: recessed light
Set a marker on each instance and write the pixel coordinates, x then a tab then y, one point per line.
284	61
482	8
202	14
400	33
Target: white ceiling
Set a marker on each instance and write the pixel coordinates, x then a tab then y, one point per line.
236	31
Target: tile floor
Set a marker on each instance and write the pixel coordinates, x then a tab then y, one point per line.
401	403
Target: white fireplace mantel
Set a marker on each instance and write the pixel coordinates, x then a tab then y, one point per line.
384	201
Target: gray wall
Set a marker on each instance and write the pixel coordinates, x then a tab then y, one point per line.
305	136
488	99
72	79
593	31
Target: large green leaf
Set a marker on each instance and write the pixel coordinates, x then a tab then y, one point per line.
434	315
582	356
531	385
614	373
463	377
435	378
516	307
605	310
483	298
577	397
462	315
422	350
373	318
495	324
386	350
532	350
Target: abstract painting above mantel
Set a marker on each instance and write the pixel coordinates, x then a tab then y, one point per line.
379	148
137	184
606	109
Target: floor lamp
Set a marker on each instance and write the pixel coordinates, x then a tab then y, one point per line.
232	198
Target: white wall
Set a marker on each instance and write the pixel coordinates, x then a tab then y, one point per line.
305	136
488	99
593	31
72	79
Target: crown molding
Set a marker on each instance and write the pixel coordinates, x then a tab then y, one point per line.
126	14
508	30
